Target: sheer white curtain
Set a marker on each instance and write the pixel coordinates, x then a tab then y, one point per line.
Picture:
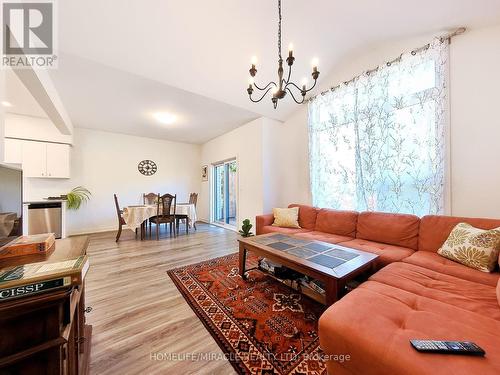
378	142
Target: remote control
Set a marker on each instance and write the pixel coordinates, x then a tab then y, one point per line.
447	347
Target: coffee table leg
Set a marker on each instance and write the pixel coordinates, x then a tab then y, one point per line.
331	292
243	259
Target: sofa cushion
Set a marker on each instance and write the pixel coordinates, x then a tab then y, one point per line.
374	323
286	217
322	236
435	262
387	253
464	294
392	229
307	215
337	222
473	247
434	229
272	229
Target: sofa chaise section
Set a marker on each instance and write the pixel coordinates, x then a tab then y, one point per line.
374	323
423	297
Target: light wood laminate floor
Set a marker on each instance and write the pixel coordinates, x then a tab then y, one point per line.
136	308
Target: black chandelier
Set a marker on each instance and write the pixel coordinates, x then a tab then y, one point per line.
283	86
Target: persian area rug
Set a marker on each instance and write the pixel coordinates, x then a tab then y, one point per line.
263	326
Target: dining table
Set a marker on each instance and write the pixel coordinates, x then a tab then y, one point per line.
136	216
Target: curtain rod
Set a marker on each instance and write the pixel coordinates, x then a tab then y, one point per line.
443	38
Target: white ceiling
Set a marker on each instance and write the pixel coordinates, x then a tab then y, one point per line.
100	97
122	60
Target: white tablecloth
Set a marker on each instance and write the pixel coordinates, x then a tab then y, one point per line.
186	209
135	215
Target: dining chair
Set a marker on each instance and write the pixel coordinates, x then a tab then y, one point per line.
165	213
121	220
193	198
150	199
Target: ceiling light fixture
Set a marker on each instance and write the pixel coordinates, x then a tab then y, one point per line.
164	117
6	104
283	86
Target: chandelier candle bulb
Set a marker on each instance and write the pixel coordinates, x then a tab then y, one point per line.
290	50
250	82
315	65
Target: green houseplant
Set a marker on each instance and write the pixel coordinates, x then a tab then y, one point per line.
245	228
76	197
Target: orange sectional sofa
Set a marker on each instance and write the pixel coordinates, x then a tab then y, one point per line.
416	294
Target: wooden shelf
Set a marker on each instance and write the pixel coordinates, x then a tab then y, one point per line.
318	297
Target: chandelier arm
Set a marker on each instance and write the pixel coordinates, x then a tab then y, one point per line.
309	89
291	93
294	85
262	97
298	88
266	86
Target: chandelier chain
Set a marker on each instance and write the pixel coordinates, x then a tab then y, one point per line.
279	29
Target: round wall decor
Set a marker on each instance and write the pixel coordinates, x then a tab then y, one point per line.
147	167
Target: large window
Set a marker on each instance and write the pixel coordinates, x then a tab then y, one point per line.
378	142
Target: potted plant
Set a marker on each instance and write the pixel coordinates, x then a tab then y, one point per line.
76	197
245	228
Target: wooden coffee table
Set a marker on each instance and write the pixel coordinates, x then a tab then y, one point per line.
332	264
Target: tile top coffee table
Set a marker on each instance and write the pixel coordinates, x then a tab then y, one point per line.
332	264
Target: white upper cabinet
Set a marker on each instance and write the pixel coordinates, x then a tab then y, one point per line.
46	160
13	151
34	159
58	160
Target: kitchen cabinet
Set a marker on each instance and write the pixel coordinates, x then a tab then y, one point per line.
46	160
13	151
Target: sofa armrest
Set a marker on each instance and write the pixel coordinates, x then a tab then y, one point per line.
263	220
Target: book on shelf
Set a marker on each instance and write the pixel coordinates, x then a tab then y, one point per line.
33	278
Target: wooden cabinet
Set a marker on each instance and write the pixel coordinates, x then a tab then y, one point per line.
46	160
46	333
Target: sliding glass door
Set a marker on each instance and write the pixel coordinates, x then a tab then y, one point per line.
224	202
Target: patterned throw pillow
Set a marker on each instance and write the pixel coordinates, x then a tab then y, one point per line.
286	217
473	247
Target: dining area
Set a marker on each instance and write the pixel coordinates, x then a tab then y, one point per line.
157	211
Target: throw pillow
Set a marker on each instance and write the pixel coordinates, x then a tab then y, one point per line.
473	247
286	217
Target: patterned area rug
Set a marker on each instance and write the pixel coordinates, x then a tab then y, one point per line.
263	326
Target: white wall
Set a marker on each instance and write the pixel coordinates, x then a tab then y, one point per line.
106	163
276	158
244	144
475	121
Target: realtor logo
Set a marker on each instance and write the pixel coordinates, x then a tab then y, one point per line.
28	34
